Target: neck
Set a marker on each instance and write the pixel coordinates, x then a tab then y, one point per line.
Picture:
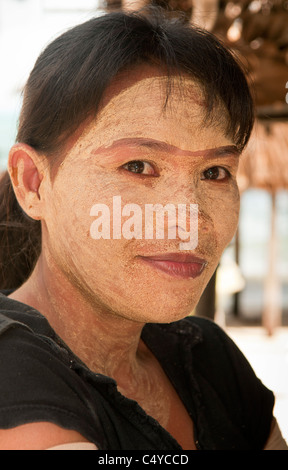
106	342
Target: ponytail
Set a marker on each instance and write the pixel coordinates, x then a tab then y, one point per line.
20	239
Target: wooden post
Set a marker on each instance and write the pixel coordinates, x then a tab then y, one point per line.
237	260
272	289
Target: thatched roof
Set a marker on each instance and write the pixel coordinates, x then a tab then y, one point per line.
257	29
264	164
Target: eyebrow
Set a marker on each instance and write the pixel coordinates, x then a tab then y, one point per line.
154	144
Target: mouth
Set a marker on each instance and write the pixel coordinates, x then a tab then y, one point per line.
179	265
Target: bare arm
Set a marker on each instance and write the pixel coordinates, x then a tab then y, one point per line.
276	440
39	436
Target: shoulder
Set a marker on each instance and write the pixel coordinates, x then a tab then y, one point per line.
231	398
26	339
209	328
31	365
219	357
14	313
216	345
38	382
221	365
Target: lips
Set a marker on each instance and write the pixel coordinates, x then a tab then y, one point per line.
181	265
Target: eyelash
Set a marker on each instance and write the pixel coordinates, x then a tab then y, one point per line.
142	163
219	169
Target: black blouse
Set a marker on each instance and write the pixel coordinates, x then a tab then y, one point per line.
42	380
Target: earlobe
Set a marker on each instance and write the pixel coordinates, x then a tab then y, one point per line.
24	169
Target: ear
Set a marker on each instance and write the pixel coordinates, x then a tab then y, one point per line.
24	166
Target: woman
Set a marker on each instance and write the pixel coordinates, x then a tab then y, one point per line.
121	113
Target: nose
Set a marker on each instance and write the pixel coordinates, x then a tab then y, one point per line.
182	222
190	204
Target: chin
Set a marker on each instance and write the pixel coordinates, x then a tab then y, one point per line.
165	313
177	304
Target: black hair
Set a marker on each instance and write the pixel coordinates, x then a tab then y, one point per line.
67	85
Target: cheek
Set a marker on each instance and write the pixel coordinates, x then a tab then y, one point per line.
226	218
222	212
73	210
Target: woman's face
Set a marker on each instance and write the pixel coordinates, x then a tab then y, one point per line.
136	152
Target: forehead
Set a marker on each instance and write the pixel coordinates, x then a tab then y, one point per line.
147	104
151	103
151	86
141	75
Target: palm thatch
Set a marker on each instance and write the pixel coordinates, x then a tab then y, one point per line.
256	29
264	164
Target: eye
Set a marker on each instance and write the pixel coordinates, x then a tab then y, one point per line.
216	173
140	167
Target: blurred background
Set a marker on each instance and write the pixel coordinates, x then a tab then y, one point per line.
248	295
